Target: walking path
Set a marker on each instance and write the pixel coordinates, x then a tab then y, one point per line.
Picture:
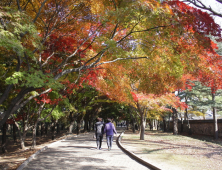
80	153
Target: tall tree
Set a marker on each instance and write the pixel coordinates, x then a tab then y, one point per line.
69	37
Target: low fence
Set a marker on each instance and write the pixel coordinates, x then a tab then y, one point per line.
199	127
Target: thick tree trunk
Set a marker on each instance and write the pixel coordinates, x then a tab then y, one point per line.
175	122
22	136
4	130
71	126
22	140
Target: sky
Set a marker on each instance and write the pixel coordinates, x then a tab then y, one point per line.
216	6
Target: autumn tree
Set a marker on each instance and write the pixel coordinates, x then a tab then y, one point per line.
66	48
69	37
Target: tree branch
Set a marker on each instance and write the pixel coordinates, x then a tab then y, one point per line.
18	4
37	15
199	4
47	114
117	59
33	96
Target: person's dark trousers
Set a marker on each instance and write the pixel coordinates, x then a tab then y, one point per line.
99	138
109	140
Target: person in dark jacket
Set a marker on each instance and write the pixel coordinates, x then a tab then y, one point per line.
109	130
99	128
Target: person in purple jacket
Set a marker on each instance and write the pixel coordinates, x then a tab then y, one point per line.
109	130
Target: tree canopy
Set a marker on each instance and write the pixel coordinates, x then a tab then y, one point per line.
114	45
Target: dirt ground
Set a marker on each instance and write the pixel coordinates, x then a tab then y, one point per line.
176	152
16	156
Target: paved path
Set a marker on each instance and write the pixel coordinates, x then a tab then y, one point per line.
80	153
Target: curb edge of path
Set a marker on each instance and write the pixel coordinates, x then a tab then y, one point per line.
134	156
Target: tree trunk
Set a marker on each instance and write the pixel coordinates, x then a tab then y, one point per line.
132	120
22	136
127	125
62	126
133	125
37	130
164	124
14	132
186	111
42	128
57	127
86	122
175	122
215	123
90	125
138	125
71	126
78	127
4	130
34	135
168	124
46	128
142	127
22	140
142	121
181	124
72	121
215	119
157	125
53	130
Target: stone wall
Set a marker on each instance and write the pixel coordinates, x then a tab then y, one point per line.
200	127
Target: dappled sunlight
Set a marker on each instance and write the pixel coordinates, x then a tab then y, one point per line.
79	152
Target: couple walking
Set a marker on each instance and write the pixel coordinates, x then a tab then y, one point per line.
108	129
